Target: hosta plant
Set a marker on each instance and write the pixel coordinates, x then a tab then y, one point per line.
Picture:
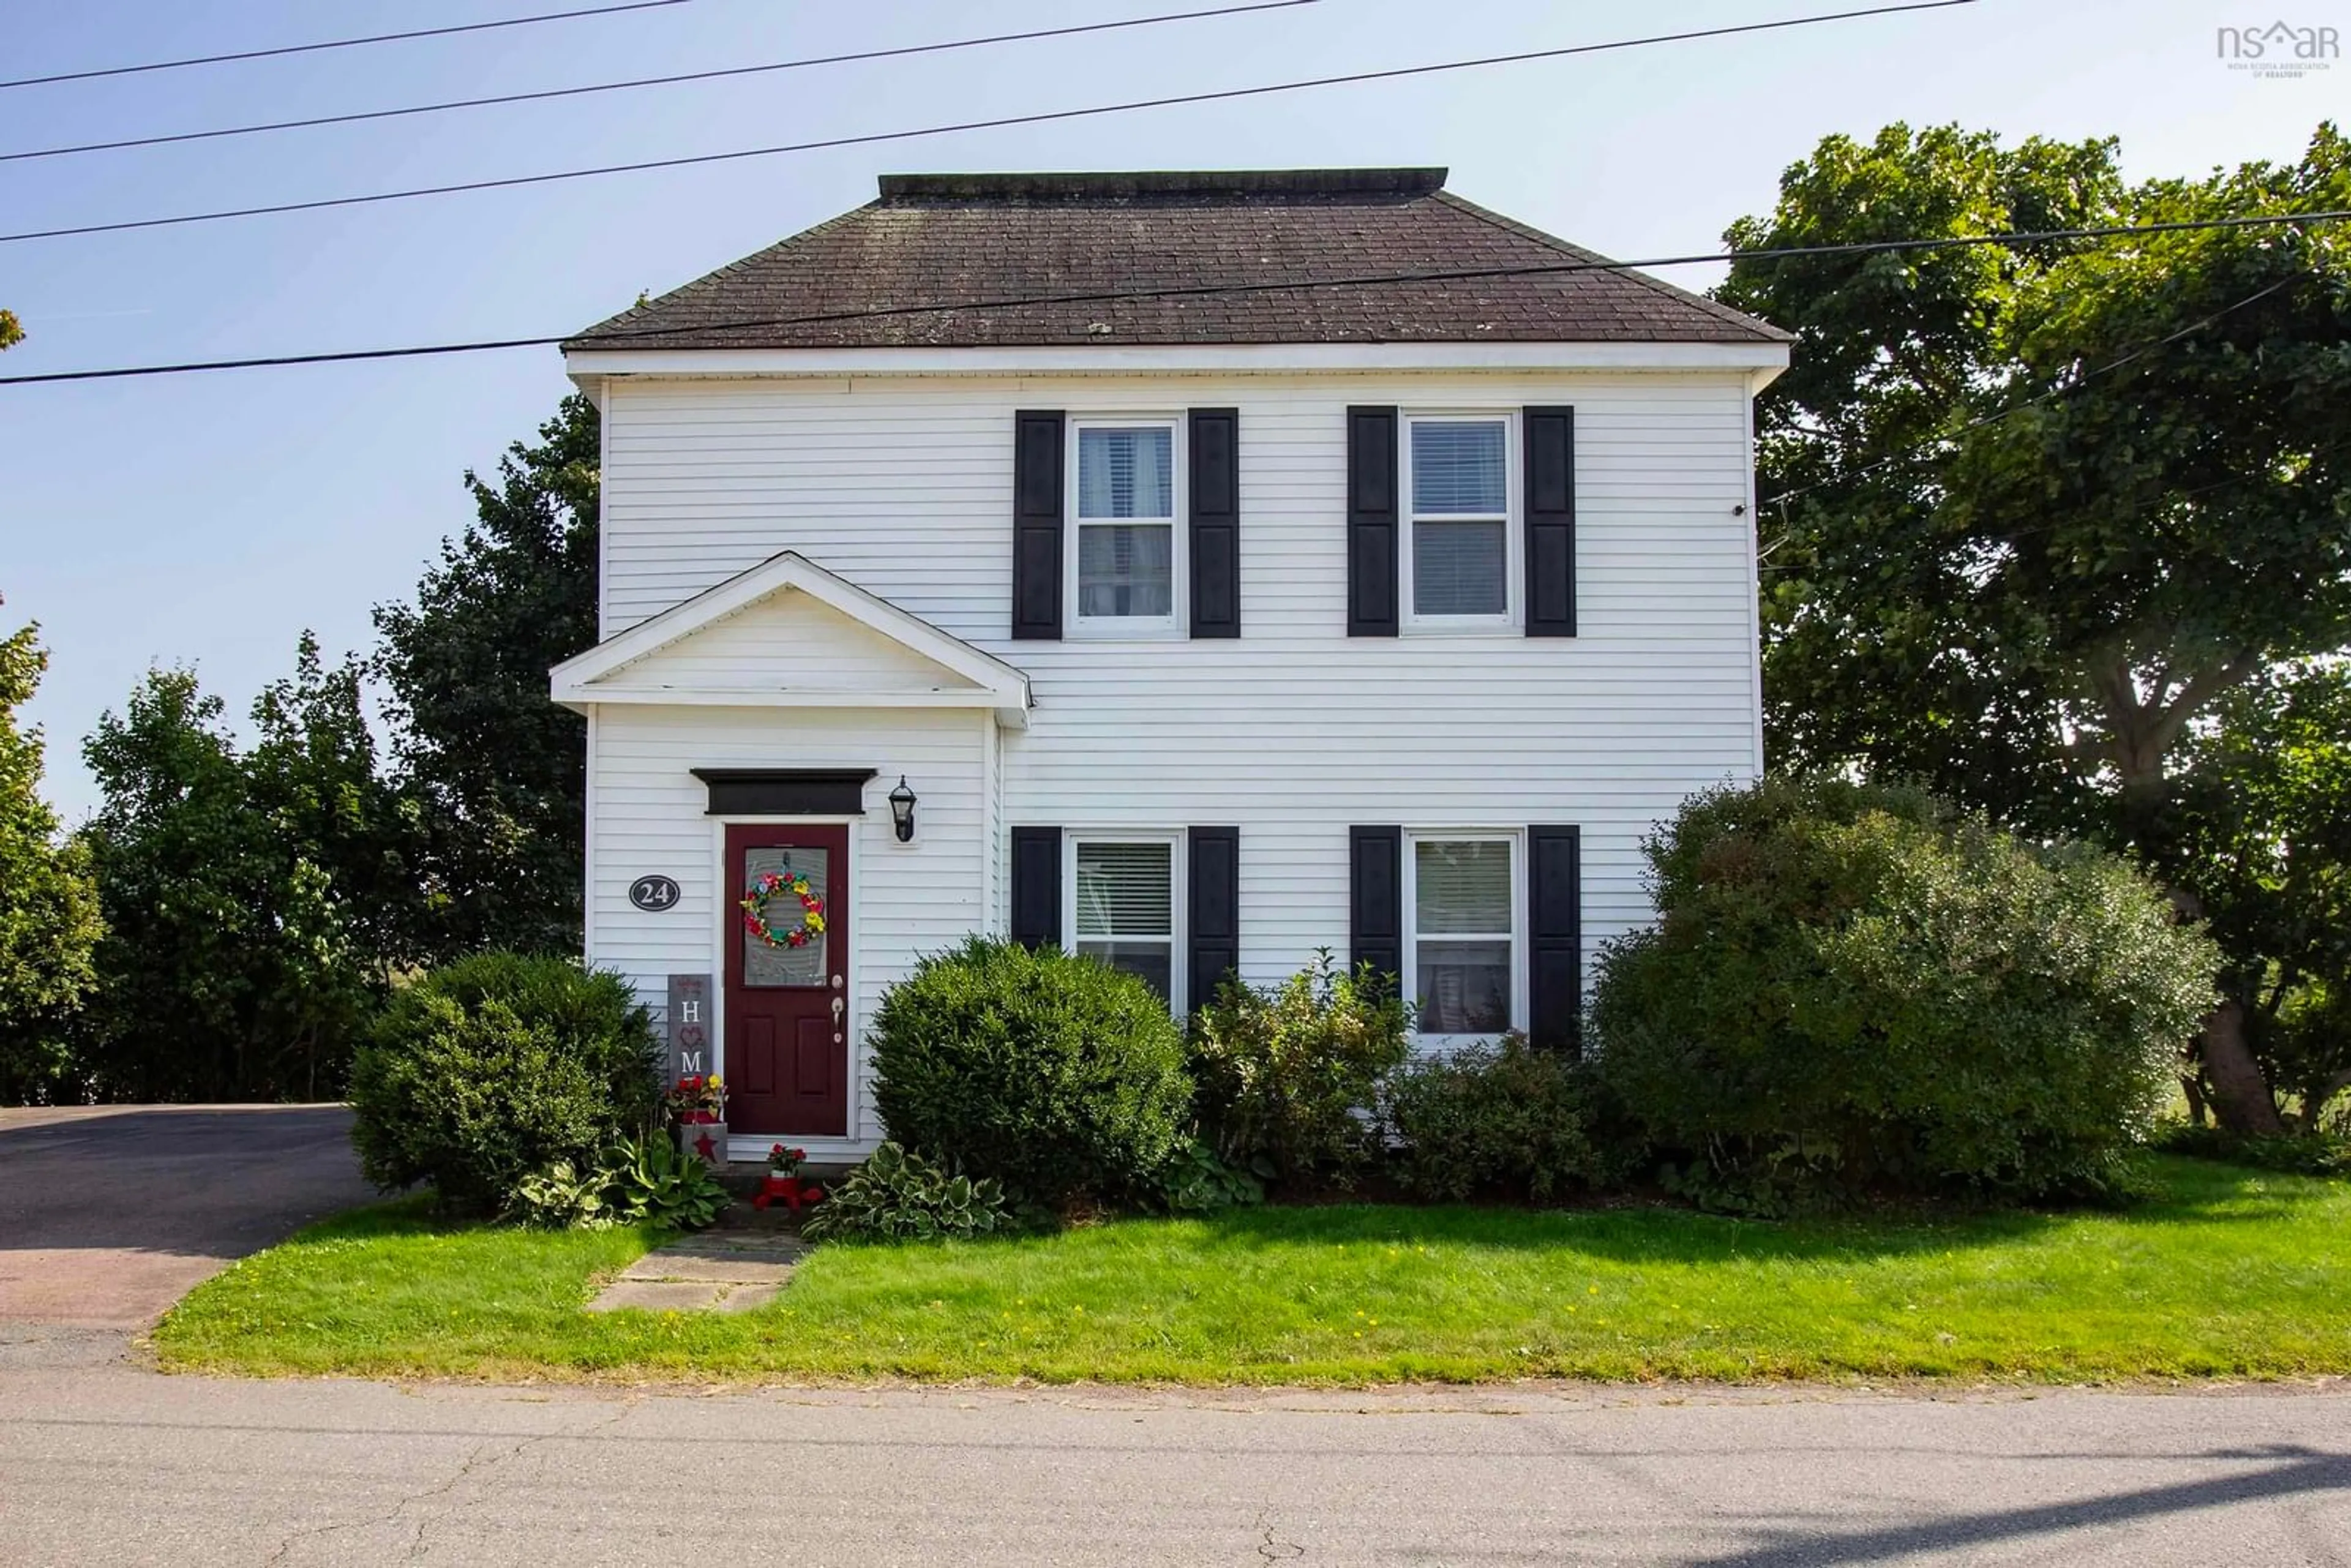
898	1196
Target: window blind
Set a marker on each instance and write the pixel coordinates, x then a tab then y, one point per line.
1461	887
1458	468
1126	890
1127	472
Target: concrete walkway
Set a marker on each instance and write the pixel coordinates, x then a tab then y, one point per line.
726	1271
107	1464
110	1213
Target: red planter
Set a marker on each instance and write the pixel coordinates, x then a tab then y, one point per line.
791	1191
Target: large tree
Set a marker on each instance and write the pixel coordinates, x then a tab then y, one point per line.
252	897
2030	511
2258	827
12	331
498	771
48	908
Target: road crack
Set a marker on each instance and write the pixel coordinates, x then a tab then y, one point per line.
484	1456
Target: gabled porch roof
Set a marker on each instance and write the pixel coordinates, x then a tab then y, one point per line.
904	660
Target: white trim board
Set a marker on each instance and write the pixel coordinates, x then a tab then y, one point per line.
586	366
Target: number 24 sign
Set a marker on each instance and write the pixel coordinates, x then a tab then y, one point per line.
655	892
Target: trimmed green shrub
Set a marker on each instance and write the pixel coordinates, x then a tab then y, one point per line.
1852	988
900	1196
1289	1075
1505	1118
1059	1076
494	1067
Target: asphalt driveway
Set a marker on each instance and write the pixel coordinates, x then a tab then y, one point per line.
109	1214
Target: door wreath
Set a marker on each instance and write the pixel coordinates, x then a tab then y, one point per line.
775	884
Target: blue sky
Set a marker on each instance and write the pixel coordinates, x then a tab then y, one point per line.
209	519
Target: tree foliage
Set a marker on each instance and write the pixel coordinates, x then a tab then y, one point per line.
251	896
2258	831
48	908
2031	509
498	773
12	331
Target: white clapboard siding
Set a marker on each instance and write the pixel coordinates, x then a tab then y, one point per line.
648	817
1293	732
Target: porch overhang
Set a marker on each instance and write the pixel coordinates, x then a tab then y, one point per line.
624	669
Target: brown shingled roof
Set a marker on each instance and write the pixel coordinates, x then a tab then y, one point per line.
932	240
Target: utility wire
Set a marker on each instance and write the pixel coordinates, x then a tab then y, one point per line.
338	44
626	337
1223	94
355	118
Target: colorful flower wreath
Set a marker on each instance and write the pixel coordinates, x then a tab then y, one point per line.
775	884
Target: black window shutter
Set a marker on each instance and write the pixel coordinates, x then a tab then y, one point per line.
1216	502
1212	924
1372	528
1037	525
1551	522
1555	937
1376	900
1037	886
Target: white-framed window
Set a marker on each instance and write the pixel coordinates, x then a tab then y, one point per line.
1122	904
1460	555
1465	937
1127	572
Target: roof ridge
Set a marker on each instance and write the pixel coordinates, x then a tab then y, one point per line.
1681	296
1390	182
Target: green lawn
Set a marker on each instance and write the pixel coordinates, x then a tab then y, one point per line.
2229	1272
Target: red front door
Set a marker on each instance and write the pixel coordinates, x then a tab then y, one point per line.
787	1024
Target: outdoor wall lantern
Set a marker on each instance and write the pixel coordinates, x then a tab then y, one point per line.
902	810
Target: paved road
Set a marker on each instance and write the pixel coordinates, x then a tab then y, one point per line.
109	1214
106	1463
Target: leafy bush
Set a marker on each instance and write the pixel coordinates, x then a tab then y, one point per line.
638	1181
564	1195
1286	1075
1852	989
1505	1118
899	1196
1059	1076
495	1066
1199	1180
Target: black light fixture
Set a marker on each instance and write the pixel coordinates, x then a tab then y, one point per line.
902	810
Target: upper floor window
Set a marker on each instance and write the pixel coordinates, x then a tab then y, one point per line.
1459	569
1129	560
1123	896
1461	932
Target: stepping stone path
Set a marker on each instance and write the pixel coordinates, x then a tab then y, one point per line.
726	1271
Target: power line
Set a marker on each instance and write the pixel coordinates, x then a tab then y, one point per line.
1130	106
339	44
543	94
1863	247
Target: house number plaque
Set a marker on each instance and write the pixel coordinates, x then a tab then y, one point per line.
654	893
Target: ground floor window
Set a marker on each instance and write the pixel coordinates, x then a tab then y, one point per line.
1122	890
1462	931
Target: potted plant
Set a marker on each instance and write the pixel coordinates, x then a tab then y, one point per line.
783	1181
697	1108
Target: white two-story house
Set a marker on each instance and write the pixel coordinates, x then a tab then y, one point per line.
1194	570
